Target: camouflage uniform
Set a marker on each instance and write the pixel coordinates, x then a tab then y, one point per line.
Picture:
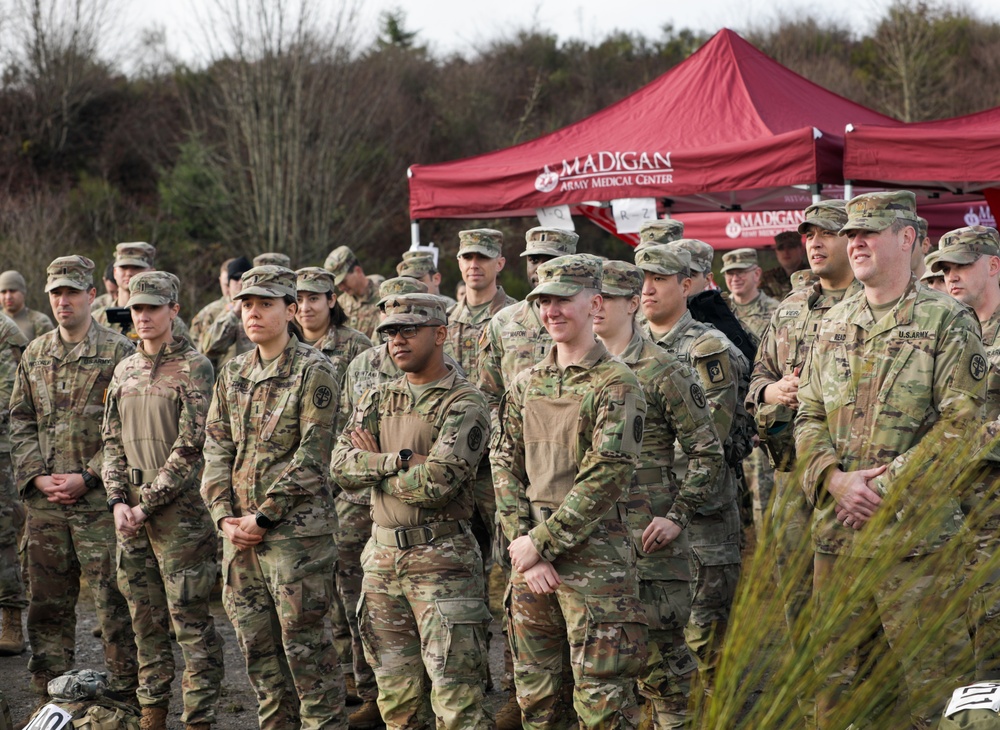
267	452
154	430
12	595
420	264
776	283
714	531
31	323
102	302
56	409
204	319
362	311
896	392
422	606
225	338
562	463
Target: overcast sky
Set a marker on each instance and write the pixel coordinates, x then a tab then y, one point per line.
458	26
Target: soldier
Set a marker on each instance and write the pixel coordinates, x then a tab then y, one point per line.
12	291
677	411
12	597
272	258
154	431
110	295
224	337
714	530
933	279
207	314
921	249
969	258
420	265
893	376
266	485
659	230
562	464
777	282
359	294
415	443
56	445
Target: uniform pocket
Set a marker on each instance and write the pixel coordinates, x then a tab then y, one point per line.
724	554
615	637
369	639
465	621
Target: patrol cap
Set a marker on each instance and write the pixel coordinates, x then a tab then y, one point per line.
542	241
739	260
416	266
922	226
830	215
398	286
929	273
12	281
315	279
966	245
268	281
666	259
660	230
340	262
485	241
787	240
878	211
72	271
566	276
153	287
621	279
272	258
137	253
403	309
702	254
417	253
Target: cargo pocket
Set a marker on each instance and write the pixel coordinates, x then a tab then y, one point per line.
465	621
615	637
713	555
369	639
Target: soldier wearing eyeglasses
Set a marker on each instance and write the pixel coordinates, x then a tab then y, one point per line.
415	443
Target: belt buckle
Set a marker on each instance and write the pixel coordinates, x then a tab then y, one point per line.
135	476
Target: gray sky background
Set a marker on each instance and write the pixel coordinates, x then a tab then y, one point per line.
460	26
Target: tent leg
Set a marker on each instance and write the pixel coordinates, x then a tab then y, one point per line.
848	189
816	189
414	234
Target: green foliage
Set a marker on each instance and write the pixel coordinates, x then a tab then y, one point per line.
194	203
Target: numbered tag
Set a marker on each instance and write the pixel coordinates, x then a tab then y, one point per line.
983	696
50	717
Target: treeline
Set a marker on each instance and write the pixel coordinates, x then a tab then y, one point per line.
296	137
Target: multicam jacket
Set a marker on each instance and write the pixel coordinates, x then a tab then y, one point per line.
466	326
448	421
32	323
755	315
514	340
362	312
12	343
154	432
569	441
57	408
268	440
896	392
342	345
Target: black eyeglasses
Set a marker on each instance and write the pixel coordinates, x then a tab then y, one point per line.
409	331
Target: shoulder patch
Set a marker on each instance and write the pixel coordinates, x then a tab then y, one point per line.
475	438
322	397
698	395
978	367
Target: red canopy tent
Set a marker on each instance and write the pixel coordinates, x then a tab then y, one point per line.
727	129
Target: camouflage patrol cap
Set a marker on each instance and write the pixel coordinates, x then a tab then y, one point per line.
398	286
830	215
702	254
13	281
268	281
666	259
136	253
272	258
403	309
789	240
966	245
922	226
621	279
566	276
72	271
542	241
153	287
485	241
739	260
415	254
660	230
416	267
878	211
340	262
929	272
315	279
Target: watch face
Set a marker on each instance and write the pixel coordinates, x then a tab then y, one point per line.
405	454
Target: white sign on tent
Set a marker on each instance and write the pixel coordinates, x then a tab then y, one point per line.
631	212
557	216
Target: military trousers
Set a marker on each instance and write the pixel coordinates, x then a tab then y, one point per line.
183	597
665	681
354	529
277	595
931	647
759	476
597	612
422	610
64	544
715	567
983	520
12	594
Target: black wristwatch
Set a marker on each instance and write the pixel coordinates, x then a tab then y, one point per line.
89	480
113	502
404	456
263	521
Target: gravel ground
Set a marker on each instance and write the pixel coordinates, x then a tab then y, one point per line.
237	707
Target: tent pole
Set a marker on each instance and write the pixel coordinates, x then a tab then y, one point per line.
816	193
414	234
848	189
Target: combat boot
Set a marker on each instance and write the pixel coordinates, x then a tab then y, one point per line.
153	718
351	688
12	638
365	717
509	716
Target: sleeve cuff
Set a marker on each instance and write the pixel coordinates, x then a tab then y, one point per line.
541	538
219	511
